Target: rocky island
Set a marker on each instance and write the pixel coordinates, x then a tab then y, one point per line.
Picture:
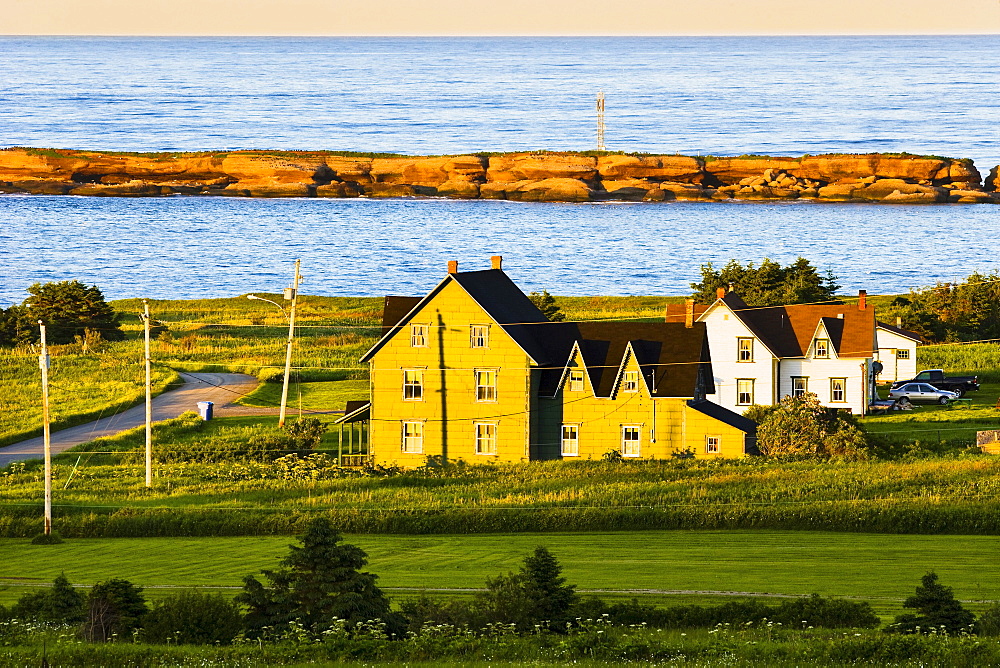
536	177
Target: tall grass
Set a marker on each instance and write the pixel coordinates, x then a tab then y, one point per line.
982	359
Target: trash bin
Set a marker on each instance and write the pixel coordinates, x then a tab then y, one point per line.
205	409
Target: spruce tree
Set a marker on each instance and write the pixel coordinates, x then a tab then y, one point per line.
535	595
940	611
320	581
546	303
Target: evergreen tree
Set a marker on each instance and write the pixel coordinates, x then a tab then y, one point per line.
939	611
320	581
537	594
61	604
965	311
68	309
546	303
770	284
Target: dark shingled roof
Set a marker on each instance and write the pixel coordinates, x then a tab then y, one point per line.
722	414
673	358
902	332
495	292
395	309
787	331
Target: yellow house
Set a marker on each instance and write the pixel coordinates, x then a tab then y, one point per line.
475	372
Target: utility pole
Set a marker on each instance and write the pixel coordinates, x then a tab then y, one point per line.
600	120
149	399
293	295
43	364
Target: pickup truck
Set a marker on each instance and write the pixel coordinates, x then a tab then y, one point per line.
936	377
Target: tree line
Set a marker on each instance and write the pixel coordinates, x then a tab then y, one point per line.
320	588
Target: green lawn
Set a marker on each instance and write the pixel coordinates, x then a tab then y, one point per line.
881	568
315	396
931	422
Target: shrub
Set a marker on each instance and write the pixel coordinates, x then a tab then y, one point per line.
193	618
115	608
989	621
801	426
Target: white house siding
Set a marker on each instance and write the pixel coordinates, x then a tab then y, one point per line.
820	371
724	328
893	368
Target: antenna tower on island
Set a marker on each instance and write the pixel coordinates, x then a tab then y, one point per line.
600	120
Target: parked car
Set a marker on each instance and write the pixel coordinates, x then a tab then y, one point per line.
936	377
923	393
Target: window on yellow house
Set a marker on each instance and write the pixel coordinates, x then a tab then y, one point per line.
413	385
822	348
486	385
744	391
418	336
479	336
902	354
576	380
712	444
631	441
744	349
630	381
838	389
570	440
413	437
486	438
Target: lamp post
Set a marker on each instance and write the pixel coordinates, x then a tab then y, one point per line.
293	295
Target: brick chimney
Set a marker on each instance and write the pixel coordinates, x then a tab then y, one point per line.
720	292
862	300
899	322
453	266
496	262
689	313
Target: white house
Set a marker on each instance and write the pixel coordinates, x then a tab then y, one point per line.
761	354
897	351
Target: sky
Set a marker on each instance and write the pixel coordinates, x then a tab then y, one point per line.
498	17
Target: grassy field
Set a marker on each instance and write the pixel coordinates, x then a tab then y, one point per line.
667	566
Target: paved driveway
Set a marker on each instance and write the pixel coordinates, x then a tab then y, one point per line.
220	388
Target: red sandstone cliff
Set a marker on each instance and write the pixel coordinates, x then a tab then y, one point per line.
568	177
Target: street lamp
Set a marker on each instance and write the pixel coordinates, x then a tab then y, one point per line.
291	335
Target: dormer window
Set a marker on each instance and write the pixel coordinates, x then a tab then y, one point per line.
479	336
418	336
630	381
821	348
576	380
744	349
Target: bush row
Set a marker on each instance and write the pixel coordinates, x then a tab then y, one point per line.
910	517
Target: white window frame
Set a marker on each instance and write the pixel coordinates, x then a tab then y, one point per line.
413	384
576	380
412	437
825	354
631	447
798	392
486	392
418	335
479	336
744	349
713	445
740	392
486	438
843	391
902	353
630	381
569	442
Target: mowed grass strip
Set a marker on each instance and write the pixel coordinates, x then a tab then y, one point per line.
868	566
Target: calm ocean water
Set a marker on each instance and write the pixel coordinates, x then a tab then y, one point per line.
448	95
